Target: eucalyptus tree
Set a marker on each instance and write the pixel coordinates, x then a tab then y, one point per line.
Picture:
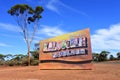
103	55
27	19
112	57
118	55
2	57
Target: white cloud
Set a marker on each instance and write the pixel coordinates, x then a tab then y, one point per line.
55	5
4	45
107	39
52	6
72	9
44	32
51	31
9	27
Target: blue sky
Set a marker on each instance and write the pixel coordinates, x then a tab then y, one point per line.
64	16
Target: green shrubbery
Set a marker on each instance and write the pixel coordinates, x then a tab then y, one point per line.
19	59
22	60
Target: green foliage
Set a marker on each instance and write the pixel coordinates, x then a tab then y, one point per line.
100	56
9	56
103	55
10	63
31	14
2	57
25	61
118	55
19	59
35	57
34	61
95	56
35	54
112	57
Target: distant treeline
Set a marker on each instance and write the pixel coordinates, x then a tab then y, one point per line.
22	60
19	59
103	56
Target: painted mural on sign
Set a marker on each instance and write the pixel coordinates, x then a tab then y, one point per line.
65	44
62	52
66	47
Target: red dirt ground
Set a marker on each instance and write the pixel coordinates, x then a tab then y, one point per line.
100	71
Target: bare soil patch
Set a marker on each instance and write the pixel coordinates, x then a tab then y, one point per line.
100	71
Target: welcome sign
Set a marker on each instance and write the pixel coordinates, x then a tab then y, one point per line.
68	51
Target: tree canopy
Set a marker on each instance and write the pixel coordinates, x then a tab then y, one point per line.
19	9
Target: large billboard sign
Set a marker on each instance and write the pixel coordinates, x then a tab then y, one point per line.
68	51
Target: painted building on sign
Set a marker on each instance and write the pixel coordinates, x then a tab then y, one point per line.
68	51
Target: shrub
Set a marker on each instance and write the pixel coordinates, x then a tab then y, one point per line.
10	63
35	62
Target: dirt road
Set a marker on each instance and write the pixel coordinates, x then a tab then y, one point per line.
100	71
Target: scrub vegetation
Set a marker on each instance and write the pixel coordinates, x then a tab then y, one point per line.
21	60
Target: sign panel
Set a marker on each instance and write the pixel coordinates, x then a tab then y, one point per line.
68	51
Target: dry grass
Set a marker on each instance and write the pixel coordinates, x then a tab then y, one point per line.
101	71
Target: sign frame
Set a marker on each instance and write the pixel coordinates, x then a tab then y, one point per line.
72	57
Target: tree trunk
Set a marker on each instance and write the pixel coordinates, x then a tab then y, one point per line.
28	55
